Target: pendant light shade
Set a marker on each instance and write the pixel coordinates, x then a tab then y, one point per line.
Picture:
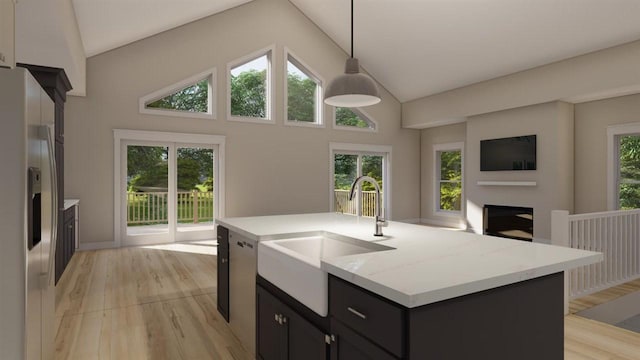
352	89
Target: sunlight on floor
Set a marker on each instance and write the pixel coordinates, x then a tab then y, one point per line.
205	247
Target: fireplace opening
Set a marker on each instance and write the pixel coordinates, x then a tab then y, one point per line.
511	222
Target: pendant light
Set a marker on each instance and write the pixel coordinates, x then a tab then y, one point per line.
353	89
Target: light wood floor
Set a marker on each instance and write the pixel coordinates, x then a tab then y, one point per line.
604	296
140	303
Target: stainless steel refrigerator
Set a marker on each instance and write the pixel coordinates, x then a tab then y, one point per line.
27	218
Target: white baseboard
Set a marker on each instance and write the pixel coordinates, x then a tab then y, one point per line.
442	223
410	221
97	245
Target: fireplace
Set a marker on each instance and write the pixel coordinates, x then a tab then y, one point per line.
511	222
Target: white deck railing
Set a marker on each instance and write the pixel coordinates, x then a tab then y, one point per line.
146	208
616	234
343	205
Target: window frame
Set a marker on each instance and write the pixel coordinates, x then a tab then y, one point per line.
269	118
437	149
614	132
363	149
210	75
307	70
361	113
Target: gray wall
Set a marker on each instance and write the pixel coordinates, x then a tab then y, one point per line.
592	119
270	169
553	123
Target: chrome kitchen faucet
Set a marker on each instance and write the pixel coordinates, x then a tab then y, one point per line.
379	218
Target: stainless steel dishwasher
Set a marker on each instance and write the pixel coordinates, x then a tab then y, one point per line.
242	289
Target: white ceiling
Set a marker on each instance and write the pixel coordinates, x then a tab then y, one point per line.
417	48
414	48
108	24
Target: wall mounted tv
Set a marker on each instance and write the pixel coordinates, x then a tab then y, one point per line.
512	153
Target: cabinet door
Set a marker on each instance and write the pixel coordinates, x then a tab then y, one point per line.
305	340
223	272
349	345
271	327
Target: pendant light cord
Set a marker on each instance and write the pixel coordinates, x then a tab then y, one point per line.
351	28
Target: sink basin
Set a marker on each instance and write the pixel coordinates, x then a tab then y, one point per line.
293	265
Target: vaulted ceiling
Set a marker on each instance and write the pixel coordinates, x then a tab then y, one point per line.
414	48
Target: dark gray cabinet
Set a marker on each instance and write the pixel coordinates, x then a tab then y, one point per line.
55	83
523	320
283	333
347	344
68	240
223	272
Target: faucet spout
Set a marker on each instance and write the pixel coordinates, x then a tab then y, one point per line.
379	218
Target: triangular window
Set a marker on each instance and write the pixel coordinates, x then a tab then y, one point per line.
191	97
303	93
250	87
353	119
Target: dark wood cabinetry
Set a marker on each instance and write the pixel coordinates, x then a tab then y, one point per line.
283	333
67	241
347	344
223	272
55	83
523	320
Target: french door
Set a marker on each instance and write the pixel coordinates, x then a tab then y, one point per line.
167	191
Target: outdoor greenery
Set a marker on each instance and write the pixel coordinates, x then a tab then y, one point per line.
147	175
346	170
451	180
193	98
629	152
347	117
147	167
249	94
301	97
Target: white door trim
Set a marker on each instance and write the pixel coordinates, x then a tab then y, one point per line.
123	135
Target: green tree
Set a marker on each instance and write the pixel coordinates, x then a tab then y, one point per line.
347	117
193	98
629	194
147	166
301	98
345	171
248	93
195	167
451	171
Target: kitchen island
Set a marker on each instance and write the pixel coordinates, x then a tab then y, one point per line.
434	293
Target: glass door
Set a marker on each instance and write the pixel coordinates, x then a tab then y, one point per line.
195	200
146	194
168	192
347	166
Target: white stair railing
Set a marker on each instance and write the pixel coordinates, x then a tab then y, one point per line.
616	234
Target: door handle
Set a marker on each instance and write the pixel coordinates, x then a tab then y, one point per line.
239	243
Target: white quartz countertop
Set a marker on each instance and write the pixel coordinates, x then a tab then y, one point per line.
427	264
70	202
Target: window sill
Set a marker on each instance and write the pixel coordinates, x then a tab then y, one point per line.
240	119
303	124
449	214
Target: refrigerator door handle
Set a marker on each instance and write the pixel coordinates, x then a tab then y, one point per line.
45	134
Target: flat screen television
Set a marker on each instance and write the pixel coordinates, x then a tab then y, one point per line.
512	153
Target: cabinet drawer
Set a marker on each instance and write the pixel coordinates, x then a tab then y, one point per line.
373	317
